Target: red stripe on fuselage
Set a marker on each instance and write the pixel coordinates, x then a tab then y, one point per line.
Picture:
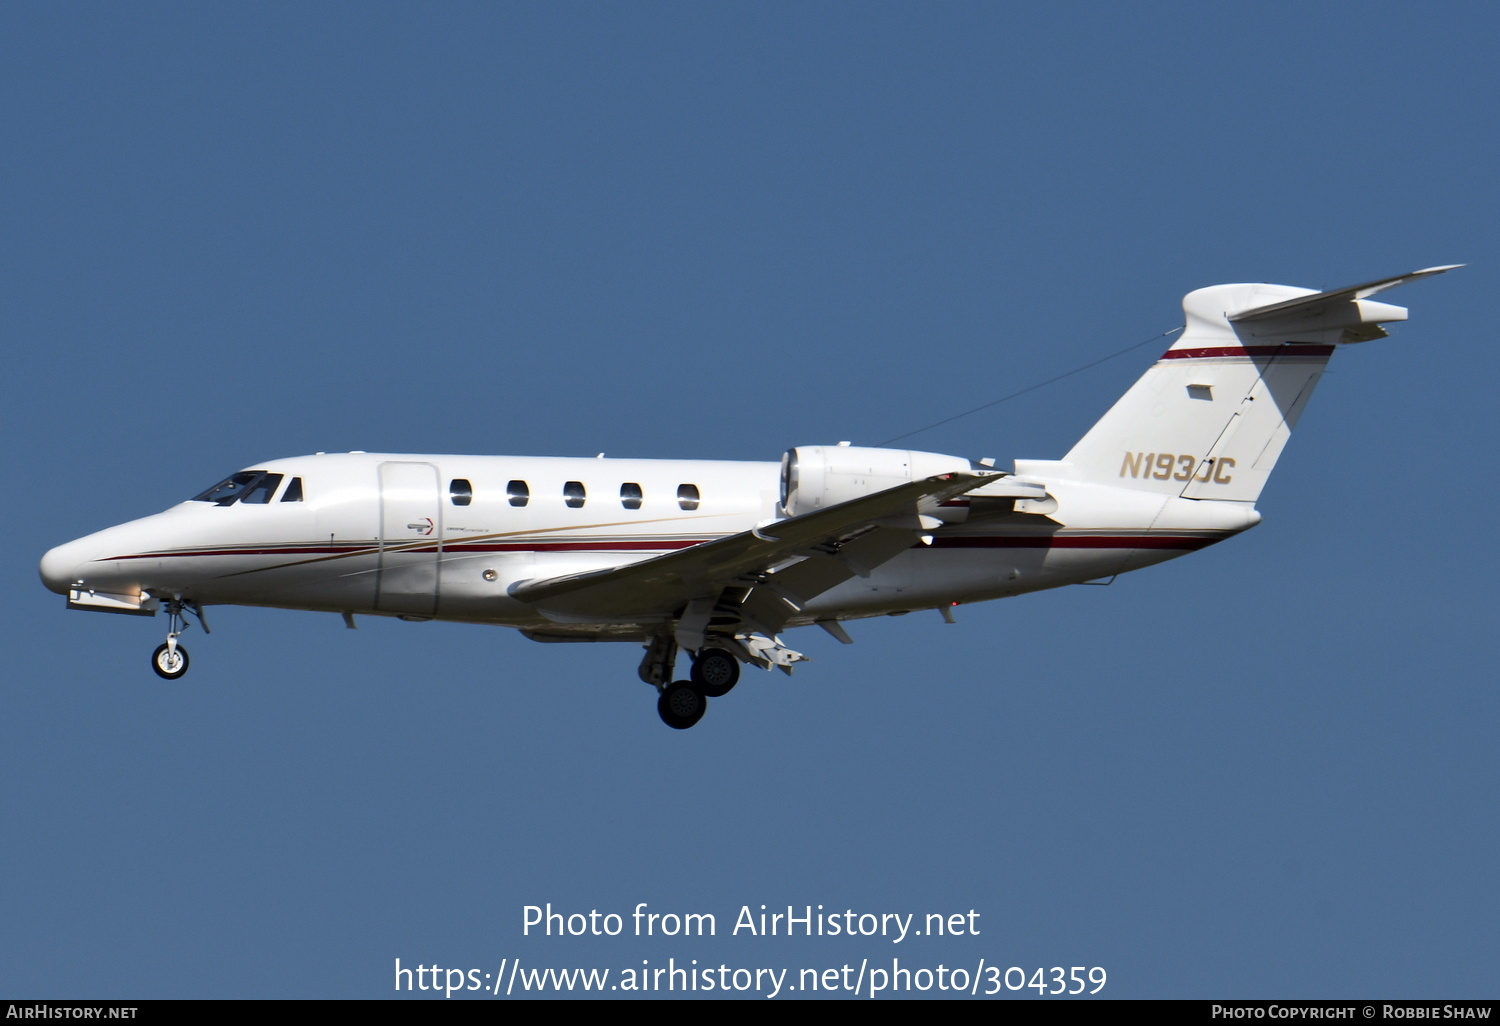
298	551
1212	351
626	546
1086	541
583	546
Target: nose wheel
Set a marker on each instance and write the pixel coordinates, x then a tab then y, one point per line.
170	660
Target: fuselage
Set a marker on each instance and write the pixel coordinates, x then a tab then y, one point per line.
447	537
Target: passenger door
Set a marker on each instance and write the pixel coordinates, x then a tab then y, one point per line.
411	539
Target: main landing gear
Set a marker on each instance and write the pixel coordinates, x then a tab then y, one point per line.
715	672
170	660
682	703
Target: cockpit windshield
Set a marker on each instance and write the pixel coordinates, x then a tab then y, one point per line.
262	490
246	486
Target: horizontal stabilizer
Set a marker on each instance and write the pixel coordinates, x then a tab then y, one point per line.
1319	303
1009	487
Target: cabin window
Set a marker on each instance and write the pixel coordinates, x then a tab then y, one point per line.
293	491
460	492
687	496
631	495
573	494
519	494
261	491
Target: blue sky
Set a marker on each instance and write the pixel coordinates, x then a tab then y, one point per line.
241	231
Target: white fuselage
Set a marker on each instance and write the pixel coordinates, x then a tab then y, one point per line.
448	537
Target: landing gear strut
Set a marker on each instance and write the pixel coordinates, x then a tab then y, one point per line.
170	660
661	656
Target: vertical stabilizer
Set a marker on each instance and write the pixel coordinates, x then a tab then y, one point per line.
1210	418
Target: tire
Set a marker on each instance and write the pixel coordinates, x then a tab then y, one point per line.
716	672
166	665
681	705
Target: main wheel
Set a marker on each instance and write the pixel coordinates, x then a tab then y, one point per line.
716	672
681	704
169	664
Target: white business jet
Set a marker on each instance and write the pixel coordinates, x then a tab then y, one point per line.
717	558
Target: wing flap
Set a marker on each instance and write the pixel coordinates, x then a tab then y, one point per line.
771	606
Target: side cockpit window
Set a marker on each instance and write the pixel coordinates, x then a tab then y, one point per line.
293	491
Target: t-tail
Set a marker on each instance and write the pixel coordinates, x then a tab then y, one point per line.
1210	418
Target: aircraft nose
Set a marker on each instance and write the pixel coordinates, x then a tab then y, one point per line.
59	567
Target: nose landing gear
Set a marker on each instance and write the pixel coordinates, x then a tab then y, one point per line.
170	660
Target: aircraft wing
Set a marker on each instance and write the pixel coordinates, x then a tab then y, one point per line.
662	585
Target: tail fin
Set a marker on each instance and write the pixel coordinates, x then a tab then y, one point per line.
1210	418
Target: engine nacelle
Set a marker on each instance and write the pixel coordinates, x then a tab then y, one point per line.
814	477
